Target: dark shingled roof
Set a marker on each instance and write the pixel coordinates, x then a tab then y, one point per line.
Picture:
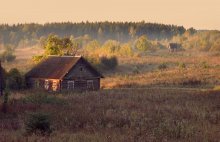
56	67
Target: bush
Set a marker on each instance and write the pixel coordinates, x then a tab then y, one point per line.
94	60
5	102
38	123
37	59
109	62
182	65
162	66
7	56
204	65
126	50
15	80
143	44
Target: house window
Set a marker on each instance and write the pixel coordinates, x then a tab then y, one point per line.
70	85
46	84
90	84
54	85
37	83
81	68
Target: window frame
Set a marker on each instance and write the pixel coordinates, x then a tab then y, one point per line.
46	84
90	84
54	85
70	86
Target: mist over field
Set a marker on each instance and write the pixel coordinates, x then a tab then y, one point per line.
131	71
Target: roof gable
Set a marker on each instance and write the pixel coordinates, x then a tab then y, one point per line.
82	69
56	67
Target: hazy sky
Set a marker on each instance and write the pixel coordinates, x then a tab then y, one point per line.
201	14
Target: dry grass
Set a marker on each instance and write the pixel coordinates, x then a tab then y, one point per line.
155	105
202	70
23	58
118	115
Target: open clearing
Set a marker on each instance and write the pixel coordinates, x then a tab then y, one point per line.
138	102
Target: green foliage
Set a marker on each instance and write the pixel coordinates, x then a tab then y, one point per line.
202	41
126	50
38	58
109	62
111	47
143	44
92	46
15	80
53	45
38	123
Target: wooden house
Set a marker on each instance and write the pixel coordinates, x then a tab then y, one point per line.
58	73
1	80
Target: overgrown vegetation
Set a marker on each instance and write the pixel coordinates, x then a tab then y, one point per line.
38	123
109	63
116	115
8	54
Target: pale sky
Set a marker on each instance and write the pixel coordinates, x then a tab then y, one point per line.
200	14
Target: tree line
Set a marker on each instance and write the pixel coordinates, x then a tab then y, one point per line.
29	34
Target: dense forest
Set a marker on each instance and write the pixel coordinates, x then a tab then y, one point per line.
30	34
132	36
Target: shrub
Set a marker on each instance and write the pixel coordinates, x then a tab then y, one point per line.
126	50
37	59
15	80
5	102
8	56
94	60
109	62
136	70
111	47
204	65
38	122
182	65
162	66
143	44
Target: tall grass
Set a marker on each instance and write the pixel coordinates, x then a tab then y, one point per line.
122	115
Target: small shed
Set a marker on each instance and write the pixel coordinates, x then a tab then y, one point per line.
174	47
58	73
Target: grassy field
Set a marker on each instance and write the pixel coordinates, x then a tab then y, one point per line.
158	97
117	115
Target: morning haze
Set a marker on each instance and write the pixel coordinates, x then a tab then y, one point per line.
109	70
200	14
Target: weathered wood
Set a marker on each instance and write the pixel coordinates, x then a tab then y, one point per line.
80	77
1	80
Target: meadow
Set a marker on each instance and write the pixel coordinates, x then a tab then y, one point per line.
160	96
117	115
